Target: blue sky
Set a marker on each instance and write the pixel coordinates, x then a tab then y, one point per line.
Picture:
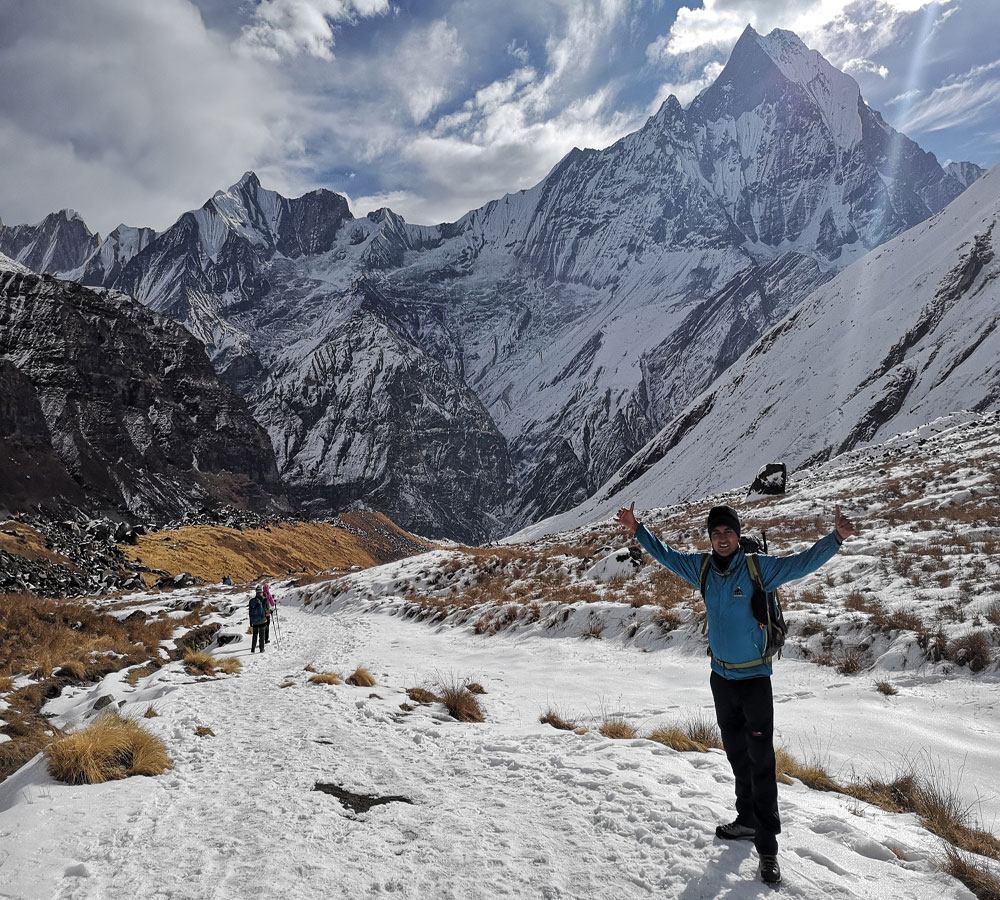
136	112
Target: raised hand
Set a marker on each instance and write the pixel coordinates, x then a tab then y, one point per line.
845	527
627	519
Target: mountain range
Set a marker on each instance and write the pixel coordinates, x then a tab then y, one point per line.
472	377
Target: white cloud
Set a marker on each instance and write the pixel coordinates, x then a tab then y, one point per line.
840	30
131	112
966	98
865	65
287	27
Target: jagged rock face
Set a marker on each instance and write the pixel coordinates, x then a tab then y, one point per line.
378	420
584	314
59	243
30	471
134	410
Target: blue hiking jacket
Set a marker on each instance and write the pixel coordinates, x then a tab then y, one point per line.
734	635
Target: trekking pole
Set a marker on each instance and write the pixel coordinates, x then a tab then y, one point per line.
277	628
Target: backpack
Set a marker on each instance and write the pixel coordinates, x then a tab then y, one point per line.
765	605
257	612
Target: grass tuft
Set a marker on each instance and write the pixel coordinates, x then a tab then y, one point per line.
975	873
326	678
618	729
204	731
422	695
231	665
460	703
150	712
198	662
811	774
552	717
886	687
474	687
112	747
361	678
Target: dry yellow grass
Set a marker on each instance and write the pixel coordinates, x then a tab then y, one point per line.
552	717
204	731
198	662
210	552
617	729
231	665
811	774
326	678
461	704
29	544
422	695
979	877
112	747
361	677
675	737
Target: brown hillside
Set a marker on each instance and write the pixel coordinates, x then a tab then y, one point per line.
212	552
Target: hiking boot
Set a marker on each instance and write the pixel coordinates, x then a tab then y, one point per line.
770	872
735	831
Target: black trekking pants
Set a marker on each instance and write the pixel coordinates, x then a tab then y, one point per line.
744	709
258	632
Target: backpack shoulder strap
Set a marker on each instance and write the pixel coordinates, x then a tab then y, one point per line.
753	566
706	564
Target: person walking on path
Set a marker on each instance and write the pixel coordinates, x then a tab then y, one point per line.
270	605
258	619
741	674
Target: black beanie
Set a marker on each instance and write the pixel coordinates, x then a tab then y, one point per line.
723	515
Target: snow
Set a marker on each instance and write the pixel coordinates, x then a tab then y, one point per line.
512	807
509	807
9	265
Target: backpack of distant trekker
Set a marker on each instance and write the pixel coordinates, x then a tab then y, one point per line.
765	605
258	611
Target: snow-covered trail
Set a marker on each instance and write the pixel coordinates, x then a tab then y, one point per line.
504	808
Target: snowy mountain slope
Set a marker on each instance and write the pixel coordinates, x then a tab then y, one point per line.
60	242
584	313
899	338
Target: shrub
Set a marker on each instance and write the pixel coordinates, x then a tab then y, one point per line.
886	687
704	731
461	704
975	873
851	660
361	678
199	662
674	736
992	612
938	806
618	729
810	774
326	678
973	650
422	695
112	747
552	717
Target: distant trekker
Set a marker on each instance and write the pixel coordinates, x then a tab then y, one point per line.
258	619
270	605
741	672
